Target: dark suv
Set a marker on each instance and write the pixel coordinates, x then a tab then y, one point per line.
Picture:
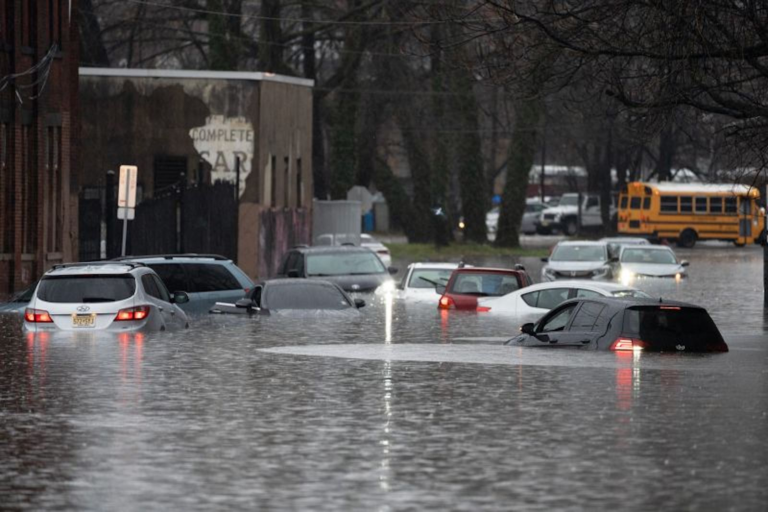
355	269
626	324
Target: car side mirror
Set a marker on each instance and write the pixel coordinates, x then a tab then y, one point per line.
293	273
684	263
359	303
180	297
244	303
519	266
528	329
439	289
392	270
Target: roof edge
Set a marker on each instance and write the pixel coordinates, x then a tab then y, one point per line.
257	76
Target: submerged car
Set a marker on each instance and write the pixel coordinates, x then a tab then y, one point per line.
19	301
108	296
283	295
629	324
355	269
638	262
577	260
207	278
468	284
366	240
615	243
422	279
540	298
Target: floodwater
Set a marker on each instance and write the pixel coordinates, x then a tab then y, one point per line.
403	408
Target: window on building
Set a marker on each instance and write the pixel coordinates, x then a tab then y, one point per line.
6	192
30	190
54	22
167	171
668	204
6	24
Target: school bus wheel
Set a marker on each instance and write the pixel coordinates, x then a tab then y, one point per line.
687	238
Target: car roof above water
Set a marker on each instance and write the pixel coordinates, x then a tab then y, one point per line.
81	269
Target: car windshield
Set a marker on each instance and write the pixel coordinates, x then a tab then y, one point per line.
303	296
569	200
347	263
630	293
429	277
652	256
484	284
86	288
578	253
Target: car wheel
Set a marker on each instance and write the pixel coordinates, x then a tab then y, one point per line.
687	239
570	227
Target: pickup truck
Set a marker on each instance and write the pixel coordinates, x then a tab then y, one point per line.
564	216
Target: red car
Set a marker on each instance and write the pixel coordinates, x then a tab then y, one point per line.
467	284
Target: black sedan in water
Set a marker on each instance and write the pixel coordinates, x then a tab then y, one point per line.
279	295
624	324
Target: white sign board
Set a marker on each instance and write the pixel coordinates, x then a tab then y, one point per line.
126	213
126	192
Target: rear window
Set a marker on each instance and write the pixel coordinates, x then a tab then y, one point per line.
87	288
306	296
485	285
429	277
669	326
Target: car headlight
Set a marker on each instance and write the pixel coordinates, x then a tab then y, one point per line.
548	272
627	276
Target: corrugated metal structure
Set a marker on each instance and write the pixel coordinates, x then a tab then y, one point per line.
339	219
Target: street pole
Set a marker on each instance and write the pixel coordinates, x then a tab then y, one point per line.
543	158
110	205
237	179
125	231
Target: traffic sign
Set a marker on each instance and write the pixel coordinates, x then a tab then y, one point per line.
126	192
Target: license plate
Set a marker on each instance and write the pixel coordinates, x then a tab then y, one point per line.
83	320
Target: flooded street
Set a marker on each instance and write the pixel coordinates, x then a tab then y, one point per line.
403	408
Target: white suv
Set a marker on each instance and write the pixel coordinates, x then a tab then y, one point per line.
106	296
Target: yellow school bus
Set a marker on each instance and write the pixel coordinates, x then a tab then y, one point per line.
686	212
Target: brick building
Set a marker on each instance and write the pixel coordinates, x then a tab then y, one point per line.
38	109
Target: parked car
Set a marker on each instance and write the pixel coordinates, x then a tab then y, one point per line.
615	243
284	295
104	296
539	298
533	209
466	285
366	240
19	301
421	280
577	260
630	324
355	269
565	216
207	278
642	261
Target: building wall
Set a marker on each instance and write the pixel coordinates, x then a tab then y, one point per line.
38	120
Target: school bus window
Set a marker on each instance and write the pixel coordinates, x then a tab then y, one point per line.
744	206
669	204
646	203
701	205
635	203
715	205
730	205
623	202
686	204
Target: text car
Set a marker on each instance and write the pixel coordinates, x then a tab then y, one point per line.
285	295
577	260
108	296
467	284
638	262
540	298
355	269
628	324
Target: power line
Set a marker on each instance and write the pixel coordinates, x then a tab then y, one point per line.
297	20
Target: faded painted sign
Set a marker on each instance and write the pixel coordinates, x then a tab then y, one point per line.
220	142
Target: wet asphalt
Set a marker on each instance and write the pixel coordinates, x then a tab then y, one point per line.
400	408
